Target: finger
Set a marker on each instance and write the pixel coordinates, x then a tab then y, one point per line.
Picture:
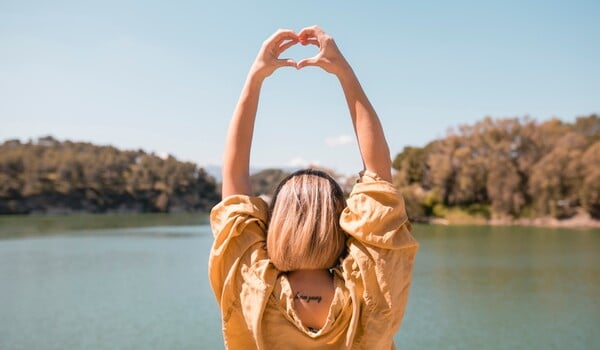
305	37
313	61
286	62
286	46
312	31
311	42
282	35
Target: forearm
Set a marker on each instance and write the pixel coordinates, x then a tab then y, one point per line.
236	159
369	132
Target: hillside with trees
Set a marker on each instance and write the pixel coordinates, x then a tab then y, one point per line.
265	182
49	176
506	168
497	169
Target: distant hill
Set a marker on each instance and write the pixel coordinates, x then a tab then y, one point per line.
265	181
50	176
215	170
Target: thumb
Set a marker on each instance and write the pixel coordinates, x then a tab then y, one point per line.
307	62
287	62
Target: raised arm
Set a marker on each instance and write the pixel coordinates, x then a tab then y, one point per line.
236	159
371	139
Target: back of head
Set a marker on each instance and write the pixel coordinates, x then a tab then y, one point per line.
304	230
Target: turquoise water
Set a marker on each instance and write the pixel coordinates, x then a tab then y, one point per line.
119	286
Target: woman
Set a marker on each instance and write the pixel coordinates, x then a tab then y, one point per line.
313	271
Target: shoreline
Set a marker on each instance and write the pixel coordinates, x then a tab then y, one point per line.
549	223
579	221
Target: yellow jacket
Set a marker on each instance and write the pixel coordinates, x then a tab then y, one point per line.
371	282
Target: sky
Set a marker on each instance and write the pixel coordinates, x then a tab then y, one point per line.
164	76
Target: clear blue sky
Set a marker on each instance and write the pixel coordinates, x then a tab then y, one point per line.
164	76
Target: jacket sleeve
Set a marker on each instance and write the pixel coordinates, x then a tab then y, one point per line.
381	253
239	227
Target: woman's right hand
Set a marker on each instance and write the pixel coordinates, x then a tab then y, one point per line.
267	60
329	57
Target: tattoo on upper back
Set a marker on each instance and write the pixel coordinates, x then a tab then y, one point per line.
308	298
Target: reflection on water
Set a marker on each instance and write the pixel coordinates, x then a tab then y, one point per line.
37	225
82	283
504	288
132	288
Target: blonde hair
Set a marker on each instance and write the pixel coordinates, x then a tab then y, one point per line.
304	230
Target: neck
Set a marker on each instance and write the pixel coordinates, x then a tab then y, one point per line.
309	274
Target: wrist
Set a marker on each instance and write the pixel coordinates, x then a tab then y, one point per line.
255	79
345	74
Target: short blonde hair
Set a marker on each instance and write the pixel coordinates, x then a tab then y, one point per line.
304	230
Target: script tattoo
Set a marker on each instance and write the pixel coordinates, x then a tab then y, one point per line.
307	298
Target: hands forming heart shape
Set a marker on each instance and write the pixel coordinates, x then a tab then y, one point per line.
328	58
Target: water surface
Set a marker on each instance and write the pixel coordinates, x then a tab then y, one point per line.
106	282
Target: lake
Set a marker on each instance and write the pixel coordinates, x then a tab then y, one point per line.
140	282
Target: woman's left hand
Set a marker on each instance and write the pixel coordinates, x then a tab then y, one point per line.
267	60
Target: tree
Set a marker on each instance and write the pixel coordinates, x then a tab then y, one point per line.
49	174
589	193
504	188
509	164
411	165
556	179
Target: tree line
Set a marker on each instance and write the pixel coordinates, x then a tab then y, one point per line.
511	167
48	175
496	168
